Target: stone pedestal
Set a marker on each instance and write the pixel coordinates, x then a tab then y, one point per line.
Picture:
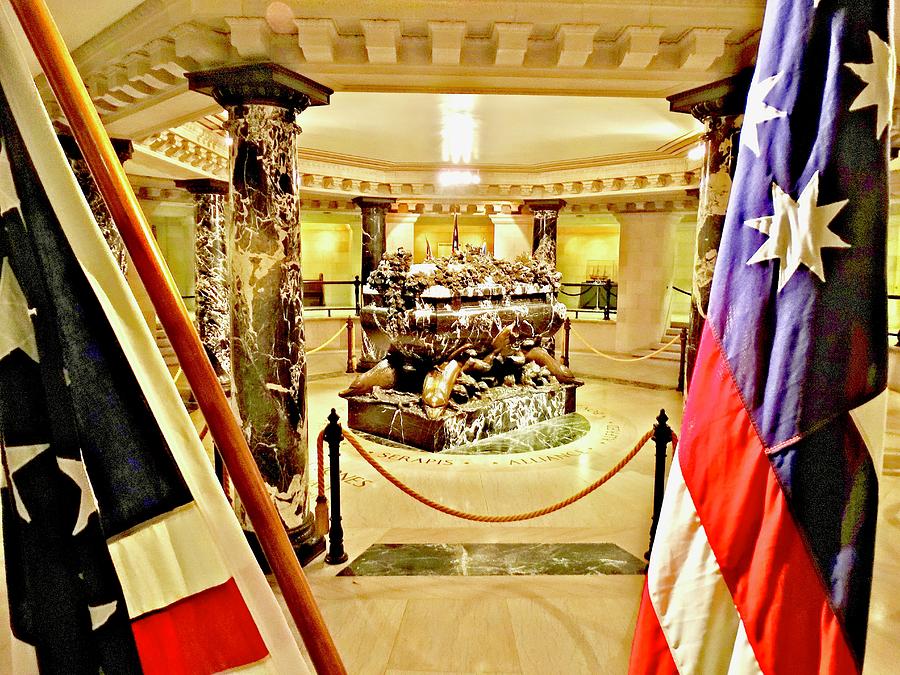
213	314
646	269
508	408
374	232
546	214
268	347
719	106
124	150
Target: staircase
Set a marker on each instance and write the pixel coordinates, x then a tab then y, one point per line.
672	352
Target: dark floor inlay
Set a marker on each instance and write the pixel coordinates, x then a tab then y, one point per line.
478	560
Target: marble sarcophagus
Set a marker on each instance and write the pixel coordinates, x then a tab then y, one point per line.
465	347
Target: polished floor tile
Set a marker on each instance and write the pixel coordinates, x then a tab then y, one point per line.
527	624
469	636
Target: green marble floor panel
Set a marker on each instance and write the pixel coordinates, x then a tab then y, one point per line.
389	560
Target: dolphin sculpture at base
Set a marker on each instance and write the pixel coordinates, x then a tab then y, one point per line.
542	357
382	374
439	383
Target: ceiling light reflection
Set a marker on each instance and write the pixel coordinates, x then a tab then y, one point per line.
458	127
450	177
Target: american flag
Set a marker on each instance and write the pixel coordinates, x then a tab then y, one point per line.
121	554
764	551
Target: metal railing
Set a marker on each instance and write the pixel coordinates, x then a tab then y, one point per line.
315	288
594	297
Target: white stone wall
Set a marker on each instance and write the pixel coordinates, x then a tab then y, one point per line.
400	231
684	267
646	268
512	235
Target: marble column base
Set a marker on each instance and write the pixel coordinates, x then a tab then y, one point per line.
307	545
509	408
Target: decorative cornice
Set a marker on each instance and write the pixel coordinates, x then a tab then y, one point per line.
206	152
185	145
598	47
684	204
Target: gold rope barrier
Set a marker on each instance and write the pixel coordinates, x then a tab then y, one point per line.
354	441
636	358
321	500
327	342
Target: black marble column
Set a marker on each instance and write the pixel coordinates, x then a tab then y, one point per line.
374	210
213	314
268	356
546	214
124	150
720	107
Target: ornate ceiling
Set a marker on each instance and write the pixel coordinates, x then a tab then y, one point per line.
588	122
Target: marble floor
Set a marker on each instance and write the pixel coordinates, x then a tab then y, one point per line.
543	623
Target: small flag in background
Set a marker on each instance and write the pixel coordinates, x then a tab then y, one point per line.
121	553
455	245
764	550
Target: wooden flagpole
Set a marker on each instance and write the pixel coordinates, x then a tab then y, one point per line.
97	149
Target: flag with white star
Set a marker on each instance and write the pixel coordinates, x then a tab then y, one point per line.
120	552
763	555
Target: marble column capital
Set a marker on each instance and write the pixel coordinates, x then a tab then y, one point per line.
259	83
203	186
726	97
124	147
374	202
544	204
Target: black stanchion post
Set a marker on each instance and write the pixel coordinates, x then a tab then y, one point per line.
350	365
662	436
567	326
607	285
357	292
682	361
333	436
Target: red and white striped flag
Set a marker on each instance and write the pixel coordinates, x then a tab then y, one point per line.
763	555
121	554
